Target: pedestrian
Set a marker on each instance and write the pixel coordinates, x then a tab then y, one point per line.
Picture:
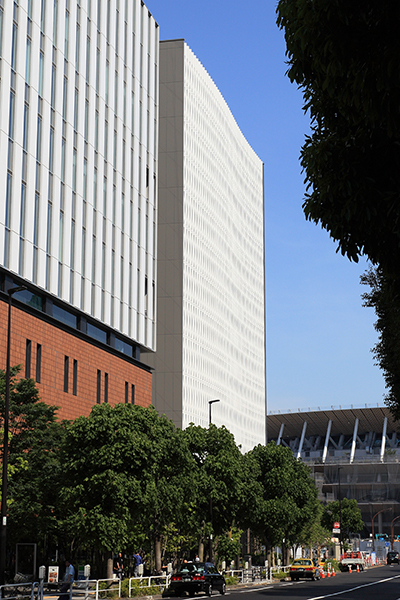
68	580
119	566
138	561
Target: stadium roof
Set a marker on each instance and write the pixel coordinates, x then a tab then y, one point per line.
370	419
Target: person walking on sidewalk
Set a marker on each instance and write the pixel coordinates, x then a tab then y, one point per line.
68	580
138	561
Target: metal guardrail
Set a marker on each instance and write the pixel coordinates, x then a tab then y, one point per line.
151	580
20	590
248	575
92	589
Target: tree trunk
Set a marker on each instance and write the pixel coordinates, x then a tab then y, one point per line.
110	566
157	553
201	550
268	554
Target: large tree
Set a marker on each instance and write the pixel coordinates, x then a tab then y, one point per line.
384	297
33	487
217	480
345	57
126	477
281	496
351	521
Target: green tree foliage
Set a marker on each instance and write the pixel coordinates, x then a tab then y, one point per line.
217	477
126	476
345	56
351	516
281	496
34	463
228	546
314	533
385	299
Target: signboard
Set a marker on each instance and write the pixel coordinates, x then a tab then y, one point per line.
336	530
53	574
336	525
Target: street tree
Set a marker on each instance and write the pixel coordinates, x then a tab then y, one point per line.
34	467
345	56
384	297
126	477
281	496
217	480
351	521
314	534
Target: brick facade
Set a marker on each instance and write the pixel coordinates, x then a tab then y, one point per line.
94	366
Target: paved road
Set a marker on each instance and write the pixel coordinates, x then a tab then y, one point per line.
380	583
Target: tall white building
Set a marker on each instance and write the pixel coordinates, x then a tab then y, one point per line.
211	333
78	168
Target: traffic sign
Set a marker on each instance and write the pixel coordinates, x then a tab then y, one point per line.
336	525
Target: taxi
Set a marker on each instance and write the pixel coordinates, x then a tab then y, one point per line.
304	568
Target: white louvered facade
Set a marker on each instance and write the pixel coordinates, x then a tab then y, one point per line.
78	149
211	336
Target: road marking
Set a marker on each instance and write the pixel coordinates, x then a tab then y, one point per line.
358	587
269	587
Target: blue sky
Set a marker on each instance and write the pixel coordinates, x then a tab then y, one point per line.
318	334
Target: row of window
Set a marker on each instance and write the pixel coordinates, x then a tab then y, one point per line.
101	391
68	317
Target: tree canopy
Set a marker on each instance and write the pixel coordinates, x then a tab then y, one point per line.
34	465
351	516
385	299
217	476
281	496
126	470
345	56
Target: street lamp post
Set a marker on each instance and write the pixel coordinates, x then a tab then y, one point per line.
210	402
340	513
210	548
373	518
3	524
392	530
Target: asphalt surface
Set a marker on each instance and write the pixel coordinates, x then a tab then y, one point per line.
378	583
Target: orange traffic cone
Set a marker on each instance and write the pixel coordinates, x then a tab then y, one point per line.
328	573
349	568
333	573
358	569
322	574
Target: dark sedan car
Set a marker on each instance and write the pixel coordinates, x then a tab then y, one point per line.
392	557
196	577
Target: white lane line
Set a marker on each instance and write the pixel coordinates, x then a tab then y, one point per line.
269	587
358	587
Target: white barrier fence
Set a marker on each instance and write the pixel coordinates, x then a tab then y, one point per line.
95	589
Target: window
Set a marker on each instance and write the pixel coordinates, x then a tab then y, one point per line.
64	316
38	362
132	394
28	352
97	333
106	388
123	347
126	392
98	392
75	378
66	373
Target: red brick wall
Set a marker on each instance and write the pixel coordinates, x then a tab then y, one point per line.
56	344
